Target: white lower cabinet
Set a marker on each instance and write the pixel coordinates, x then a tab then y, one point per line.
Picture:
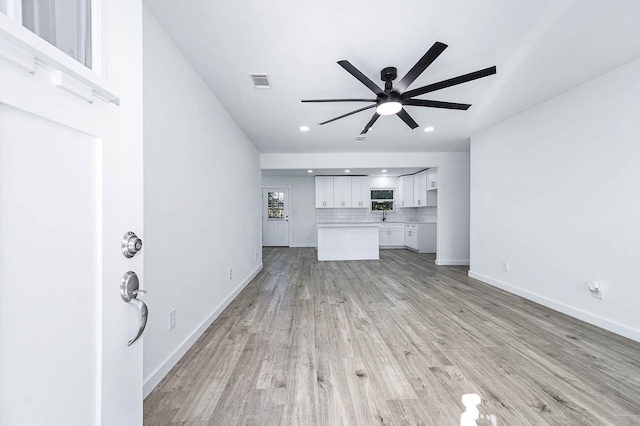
392	235
420	237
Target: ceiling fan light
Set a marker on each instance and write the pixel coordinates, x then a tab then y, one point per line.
388	108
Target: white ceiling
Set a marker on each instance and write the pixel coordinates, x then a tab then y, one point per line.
541	49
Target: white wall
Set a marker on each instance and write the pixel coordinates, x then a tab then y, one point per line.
555	193
453	187
301	209
202	203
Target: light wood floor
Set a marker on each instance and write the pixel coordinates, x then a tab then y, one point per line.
396	342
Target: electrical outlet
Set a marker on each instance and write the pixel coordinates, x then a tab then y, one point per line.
230	274
505	266
172	319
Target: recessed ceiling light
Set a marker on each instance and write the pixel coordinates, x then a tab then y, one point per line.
384	171
429	129
309	171
304	128
347	171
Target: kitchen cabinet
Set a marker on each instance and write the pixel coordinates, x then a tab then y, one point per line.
360	193
432	179
392	235
405	191
342	191
421	237
423	194
411	236
420	189
324	192
432	187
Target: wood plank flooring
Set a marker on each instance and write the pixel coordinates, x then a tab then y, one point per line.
394	342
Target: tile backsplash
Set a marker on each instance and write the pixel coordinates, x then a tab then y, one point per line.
407	214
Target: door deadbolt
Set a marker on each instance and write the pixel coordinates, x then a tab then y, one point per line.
130	244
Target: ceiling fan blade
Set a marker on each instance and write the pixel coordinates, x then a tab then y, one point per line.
407	118
435	104
361	77
450	82
370	123
347	114
431	55
338	100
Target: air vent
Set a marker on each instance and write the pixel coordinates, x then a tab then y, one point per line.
261	81
360	139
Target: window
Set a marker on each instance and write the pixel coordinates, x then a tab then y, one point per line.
64	23
381	199
275	205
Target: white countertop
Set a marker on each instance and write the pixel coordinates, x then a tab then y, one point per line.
359	224
347	225
421	223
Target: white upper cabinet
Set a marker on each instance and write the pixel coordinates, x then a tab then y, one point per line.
432	179
405	191
420	189
324	192
360	191
342	191
425	185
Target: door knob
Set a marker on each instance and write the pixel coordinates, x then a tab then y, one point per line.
129	290
130	244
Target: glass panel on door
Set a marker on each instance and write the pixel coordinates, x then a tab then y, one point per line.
275	206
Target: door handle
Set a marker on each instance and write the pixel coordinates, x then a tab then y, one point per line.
129	290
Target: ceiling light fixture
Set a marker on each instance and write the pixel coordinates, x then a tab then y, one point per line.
429	129
309	171
384	171
389	107
304	128
347	171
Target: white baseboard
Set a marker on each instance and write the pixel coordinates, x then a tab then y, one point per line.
302	245
611	326
152	381
452	262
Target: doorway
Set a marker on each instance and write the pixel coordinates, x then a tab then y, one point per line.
275	217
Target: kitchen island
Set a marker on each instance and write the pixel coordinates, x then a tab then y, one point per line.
348	241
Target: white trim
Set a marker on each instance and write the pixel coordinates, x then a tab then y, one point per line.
152	381
452	262
302	245
346	257
17	57
604	323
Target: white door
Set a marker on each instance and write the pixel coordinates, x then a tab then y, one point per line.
70	187
275	217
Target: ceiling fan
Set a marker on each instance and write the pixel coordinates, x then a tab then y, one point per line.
392	99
